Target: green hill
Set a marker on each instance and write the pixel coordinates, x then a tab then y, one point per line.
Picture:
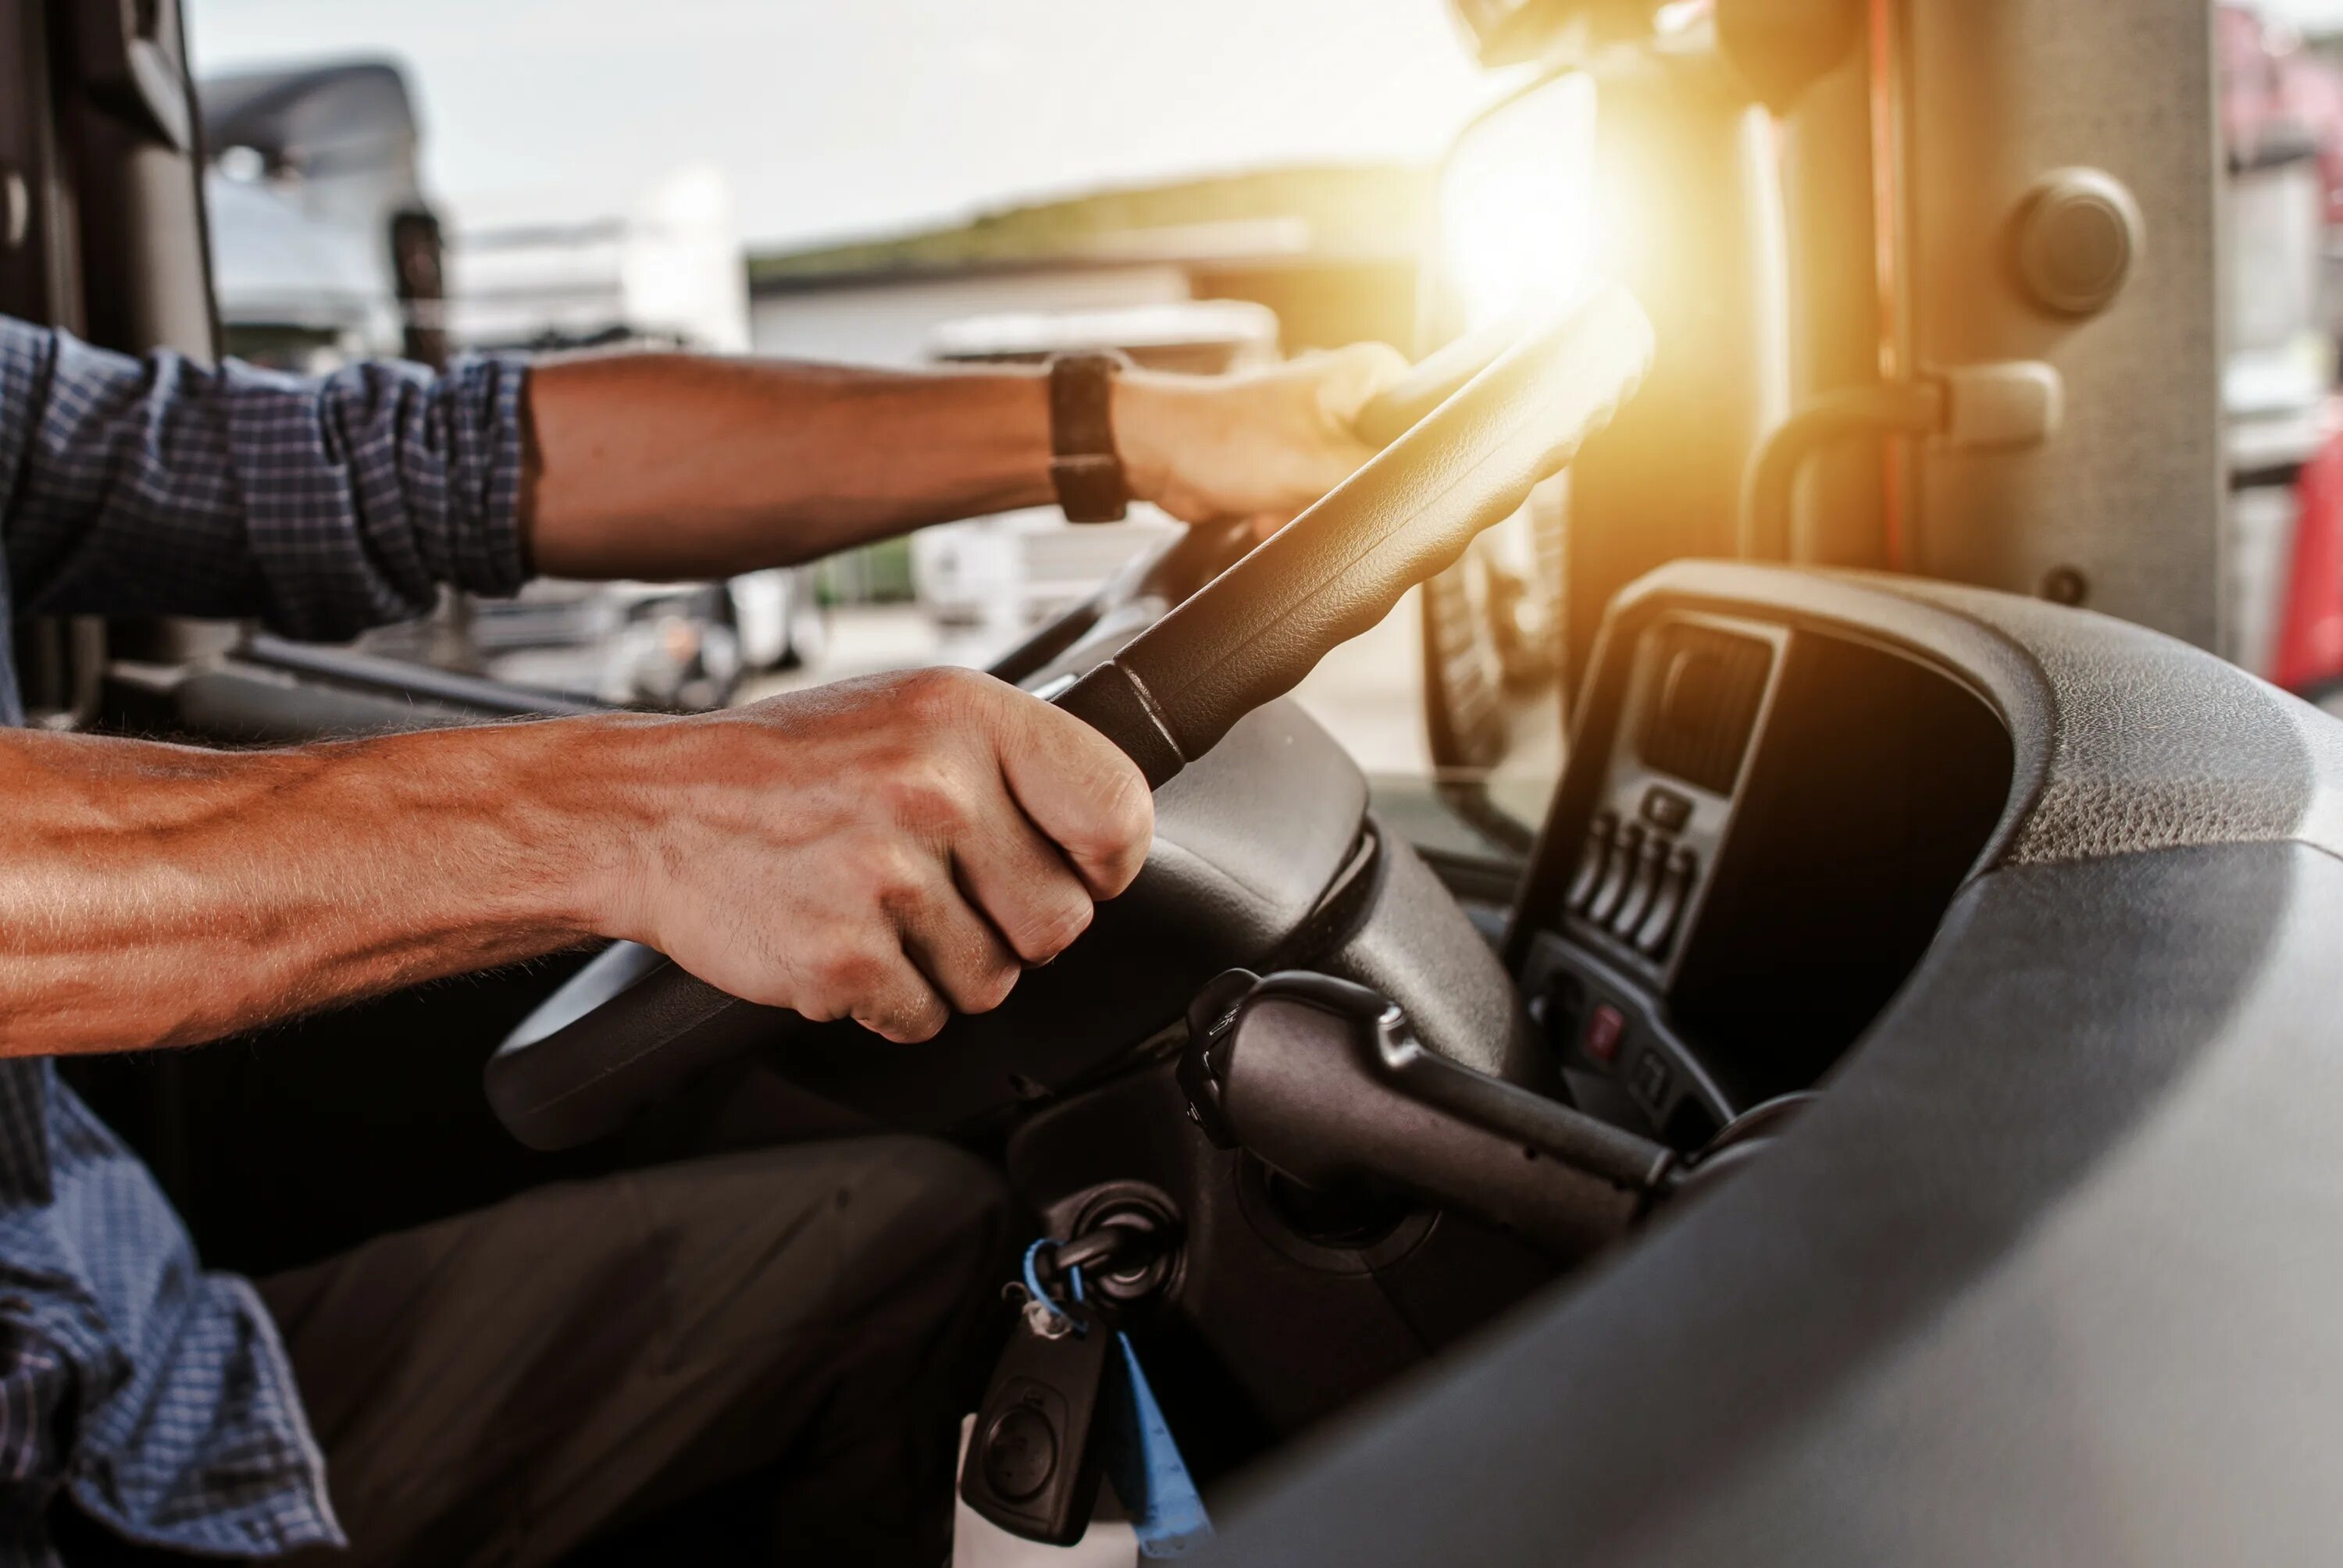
1345	210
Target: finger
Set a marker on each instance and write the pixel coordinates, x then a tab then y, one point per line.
859	970
962	956
896	1003
1264	524
1023	885
1080	791
1353	376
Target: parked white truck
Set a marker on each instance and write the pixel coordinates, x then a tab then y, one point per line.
1006	573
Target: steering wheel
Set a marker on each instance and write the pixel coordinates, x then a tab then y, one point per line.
1469	432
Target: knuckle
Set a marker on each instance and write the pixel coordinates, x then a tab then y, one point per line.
992	988
809	994
1375	362
927	801
942	693
892	884
910	1022
822	1009
1123	823
1131	806
846	973
1052	930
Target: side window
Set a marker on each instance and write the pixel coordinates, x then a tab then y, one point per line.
407	180
1515	226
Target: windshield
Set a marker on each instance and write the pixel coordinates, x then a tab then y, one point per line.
1206	188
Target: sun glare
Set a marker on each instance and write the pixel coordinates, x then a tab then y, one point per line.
1517	204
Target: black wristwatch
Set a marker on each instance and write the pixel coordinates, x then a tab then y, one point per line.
1083	464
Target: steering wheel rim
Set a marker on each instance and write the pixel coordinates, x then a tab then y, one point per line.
632	1025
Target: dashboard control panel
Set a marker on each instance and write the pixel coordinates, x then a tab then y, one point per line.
1760	827
1602	1023
1695	698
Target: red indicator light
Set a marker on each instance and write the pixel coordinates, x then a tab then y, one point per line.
1606	1026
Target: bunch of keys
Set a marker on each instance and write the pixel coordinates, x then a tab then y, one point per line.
1067	1397
1032	1466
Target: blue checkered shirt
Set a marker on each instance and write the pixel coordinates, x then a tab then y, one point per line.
156	1393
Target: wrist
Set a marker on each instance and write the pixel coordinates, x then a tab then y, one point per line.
578	797
1146	410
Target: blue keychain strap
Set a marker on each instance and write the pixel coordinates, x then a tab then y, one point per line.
1143	1462
1137	1451
1034	1291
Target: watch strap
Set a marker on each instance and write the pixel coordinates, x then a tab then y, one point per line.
1083	464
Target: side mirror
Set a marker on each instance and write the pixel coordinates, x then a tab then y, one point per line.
135	60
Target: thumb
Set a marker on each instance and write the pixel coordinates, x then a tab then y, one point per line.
1352	377
1080	790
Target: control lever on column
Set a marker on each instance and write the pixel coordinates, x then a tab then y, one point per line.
1323	1081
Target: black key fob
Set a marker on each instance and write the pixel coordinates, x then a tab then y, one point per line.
1031	1467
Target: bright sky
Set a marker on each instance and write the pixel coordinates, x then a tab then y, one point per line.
842	116
2323	15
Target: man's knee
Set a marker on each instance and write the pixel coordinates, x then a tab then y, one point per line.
839	1226
916	1207
948	1179
892	1235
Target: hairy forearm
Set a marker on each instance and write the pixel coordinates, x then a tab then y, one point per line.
675	466
875	849
153	895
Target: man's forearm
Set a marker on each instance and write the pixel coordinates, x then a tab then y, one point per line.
883	850
671	466
675	466
153	895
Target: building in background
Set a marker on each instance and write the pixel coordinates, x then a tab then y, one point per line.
326	250
1004	575
1331	253
668	272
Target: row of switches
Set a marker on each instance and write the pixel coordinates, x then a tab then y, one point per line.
1633	883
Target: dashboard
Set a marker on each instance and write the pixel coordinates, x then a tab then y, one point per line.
2075	1176
1762	825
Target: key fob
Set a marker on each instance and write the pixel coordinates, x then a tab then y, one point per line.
1031	1467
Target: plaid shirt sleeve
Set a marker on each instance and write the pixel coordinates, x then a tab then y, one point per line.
323	505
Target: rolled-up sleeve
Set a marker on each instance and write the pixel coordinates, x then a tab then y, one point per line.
322	504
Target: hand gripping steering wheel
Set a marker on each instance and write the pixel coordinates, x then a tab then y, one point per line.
632	1025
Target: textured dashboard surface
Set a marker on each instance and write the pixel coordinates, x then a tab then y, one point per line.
2048	1274
2154	743
2127	739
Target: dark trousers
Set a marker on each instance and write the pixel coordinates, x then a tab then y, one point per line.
755	1358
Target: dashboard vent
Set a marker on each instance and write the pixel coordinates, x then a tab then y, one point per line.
1702	703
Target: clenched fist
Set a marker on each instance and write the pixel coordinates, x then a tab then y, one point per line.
888	849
